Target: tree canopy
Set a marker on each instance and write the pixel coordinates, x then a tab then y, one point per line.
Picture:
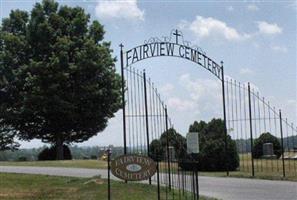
57	74
266	138
212	146
176	140
7	136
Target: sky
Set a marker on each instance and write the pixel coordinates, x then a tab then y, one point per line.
255	39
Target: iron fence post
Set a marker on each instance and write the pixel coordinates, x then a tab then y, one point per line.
146	119
108	173
251	129
168	156
282	142
158	180
123	100
197	183
225	118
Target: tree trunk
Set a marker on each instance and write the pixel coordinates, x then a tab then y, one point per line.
60	150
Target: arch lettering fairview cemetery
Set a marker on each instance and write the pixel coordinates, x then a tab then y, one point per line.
180	50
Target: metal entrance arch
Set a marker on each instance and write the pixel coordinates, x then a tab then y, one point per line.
247	116
155	47
172	46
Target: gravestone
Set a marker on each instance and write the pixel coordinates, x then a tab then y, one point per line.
193	142
171	153
268	150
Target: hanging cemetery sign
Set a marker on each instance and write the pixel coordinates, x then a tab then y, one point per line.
133	167
193	142
167	47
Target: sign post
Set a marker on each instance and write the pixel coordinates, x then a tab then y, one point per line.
108	172
193	150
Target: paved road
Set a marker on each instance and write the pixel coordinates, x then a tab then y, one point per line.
222	188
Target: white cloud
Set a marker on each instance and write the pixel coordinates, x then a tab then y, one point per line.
267	28
230	8
252	7
167	89
119	9
292	102
205	27
279	49
293	5
246	71
205	93
201	87
179	104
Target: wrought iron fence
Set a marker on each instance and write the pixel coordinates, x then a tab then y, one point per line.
249	116
146	121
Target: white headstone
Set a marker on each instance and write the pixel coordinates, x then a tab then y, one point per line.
193	142
268	149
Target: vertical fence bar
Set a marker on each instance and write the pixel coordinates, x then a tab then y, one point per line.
178	174
168	156
255	122
108	173
275	130
193	185
251	129
128	108
146	119
245	124
123	99
293	145
225	124
183	182
282	141
288	149
197	183
241	129
158	180
260	124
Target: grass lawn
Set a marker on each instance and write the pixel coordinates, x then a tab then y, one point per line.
264	168
25	187
93	164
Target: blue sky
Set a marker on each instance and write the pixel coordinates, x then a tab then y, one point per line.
255	39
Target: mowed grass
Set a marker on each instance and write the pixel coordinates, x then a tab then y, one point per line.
91	164
264	168
25	187
269	168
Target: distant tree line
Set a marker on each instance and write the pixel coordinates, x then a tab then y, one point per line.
76	152
244	145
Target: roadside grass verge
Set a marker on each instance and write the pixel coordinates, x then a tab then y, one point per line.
91	164
23	186
270	169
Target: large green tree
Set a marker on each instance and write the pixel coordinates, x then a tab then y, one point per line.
212	146
57	74
175	140
7	136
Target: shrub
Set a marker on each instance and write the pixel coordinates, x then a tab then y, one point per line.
266	138
22	158
93	157
158	147
212	148
156	150
51	153
85	158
